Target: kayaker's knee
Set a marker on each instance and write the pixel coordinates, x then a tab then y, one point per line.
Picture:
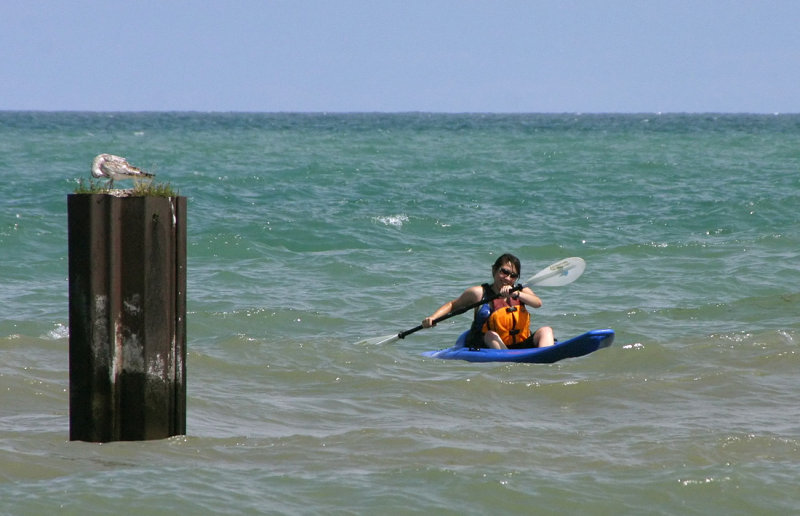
493	340
544	337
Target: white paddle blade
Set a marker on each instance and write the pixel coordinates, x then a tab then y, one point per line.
560	273
376	341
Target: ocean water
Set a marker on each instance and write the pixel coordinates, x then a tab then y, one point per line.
309	233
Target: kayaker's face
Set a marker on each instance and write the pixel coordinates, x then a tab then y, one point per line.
506	275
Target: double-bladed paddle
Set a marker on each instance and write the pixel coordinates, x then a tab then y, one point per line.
561	273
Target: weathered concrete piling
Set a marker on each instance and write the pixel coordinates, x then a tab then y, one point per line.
127	317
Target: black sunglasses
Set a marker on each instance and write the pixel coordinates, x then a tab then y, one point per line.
506	272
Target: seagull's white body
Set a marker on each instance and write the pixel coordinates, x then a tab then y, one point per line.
115	167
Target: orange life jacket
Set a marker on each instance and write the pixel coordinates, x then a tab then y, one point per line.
510	321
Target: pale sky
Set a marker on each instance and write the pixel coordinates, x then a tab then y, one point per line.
545	56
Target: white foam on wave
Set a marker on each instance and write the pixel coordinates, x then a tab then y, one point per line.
59	332
393	220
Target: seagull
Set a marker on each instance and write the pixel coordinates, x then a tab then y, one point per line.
115	167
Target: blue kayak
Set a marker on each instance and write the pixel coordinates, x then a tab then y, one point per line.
575	347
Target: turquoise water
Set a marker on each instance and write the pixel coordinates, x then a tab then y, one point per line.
309	233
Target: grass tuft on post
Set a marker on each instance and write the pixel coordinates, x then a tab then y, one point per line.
140	189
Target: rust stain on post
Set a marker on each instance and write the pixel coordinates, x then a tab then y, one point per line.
127	310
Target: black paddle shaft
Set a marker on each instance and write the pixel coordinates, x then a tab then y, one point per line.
448	315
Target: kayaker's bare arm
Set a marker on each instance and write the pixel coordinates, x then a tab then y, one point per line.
526	296
470	296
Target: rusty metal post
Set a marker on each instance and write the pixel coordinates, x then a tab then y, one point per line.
127	317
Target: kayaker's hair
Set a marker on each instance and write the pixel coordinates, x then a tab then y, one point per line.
508	257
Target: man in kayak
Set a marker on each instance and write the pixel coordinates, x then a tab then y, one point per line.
502	322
